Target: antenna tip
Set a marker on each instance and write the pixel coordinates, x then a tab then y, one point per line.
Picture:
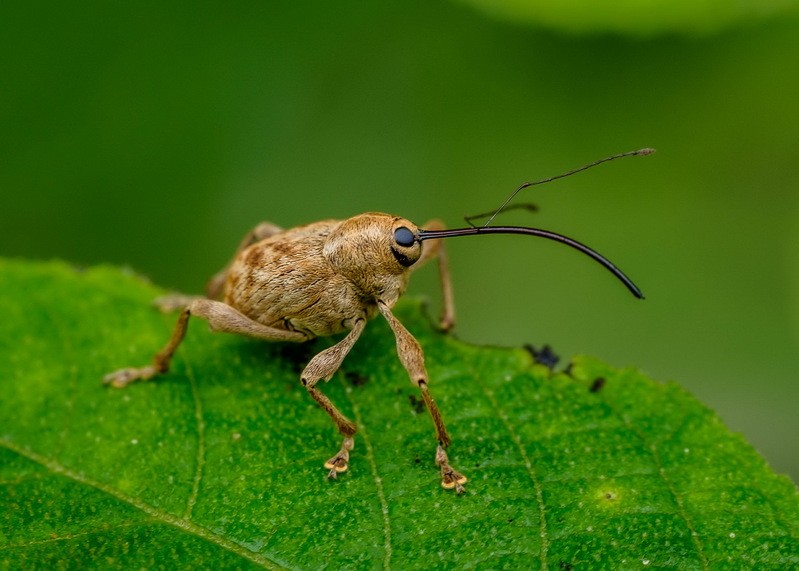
644	152
634	289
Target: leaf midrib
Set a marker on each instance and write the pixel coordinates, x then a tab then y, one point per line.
661	471
156	514
370	456
200	459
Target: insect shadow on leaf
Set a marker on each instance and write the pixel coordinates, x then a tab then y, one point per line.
417	404
355	378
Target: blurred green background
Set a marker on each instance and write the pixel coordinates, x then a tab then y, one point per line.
154	135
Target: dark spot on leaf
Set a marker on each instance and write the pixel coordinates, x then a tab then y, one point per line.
355	378
417	404
510	520
416	460
543	356
597	385
565	566
610	496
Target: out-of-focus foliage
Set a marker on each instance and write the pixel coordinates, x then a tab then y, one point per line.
635	17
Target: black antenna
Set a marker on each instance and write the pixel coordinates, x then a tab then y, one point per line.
433	234
639	152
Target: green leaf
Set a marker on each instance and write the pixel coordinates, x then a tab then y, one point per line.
219	463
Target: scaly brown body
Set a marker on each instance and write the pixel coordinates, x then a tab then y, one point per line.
296	281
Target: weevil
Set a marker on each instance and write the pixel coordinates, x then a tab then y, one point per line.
331	277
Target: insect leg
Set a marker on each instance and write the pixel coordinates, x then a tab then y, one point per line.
160	363
323	366
436	249
214	287
412	358
221	317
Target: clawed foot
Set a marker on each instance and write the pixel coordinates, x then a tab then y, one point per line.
340	461
450	479
124	377
445	323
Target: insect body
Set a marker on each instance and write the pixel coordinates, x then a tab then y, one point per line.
325	278
318	280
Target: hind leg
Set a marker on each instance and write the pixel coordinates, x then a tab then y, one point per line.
221	317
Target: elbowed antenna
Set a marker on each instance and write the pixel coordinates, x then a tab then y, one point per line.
433	234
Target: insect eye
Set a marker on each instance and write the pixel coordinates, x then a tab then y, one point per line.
404	237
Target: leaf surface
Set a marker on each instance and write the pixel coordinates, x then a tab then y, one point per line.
218	464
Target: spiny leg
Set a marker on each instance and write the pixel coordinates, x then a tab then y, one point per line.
221	317
323	366
412	358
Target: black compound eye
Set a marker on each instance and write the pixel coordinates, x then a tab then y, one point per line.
404	237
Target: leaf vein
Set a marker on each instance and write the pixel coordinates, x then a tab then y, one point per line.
200	460
69	536
652	450
370	456
528	465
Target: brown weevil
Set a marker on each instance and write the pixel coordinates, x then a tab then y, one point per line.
331	277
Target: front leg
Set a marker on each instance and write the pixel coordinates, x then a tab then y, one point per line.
412	358
323	366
